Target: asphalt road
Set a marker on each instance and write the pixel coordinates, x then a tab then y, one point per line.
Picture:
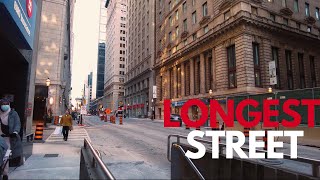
135	150
138	148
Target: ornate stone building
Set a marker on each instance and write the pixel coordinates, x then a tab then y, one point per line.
226	46
54	58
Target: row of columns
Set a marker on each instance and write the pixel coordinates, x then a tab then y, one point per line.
204	59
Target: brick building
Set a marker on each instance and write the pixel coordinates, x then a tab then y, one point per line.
226	46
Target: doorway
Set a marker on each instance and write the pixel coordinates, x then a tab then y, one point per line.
40	103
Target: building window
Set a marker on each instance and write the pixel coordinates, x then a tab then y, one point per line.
194	36
178	82
285	21
121	65
231	52
254	10
160	89
185	42
206	29
184	7
284	3
177	15
273	17
205	9
194	17
309	28
170	6
185	25
317	13
275	58
298	25
256	62
193	2
187	78
307	10
171	21
289	69
296	6
313	72
227	15
301	71
177	31
121	72
171	84
170	36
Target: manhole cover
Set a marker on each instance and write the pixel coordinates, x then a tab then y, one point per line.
51	155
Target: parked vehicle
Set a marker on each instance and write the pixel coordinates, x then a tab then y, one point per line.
176	117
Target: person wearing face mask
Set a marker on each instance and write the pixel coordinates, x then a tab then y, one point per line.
10	128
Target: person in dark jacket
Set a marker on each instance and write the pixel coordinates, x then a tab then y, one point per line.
10	128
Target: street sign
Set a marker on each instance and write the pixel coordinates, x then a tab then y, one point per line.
154	92
273	73
83	110
273	81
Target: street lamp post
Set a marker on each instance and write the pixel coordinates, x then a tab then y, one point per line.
46	115
152	109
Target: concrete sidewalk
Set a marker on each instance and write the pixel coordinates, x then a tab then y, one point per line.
51	160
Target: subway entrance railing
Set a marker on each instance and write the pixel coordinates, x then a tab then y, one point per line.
207	168
91	164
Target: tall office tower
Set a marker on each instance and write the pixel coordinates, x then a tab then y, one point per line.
115	52
101	50
141	54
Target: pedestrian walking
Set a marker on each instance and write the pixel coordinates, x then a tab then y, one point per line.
10	128
66	122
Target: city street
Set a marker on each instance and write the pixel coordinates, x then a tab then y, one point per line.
139	148
134	150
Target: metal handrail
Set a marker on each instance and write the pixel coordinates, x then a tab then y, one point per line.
314	162
97	158
190	162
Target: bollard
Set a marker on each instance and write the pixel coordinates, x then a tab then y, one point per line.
121	123
114	119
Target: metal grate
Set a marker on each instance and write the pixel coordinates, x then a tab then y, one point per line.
50	155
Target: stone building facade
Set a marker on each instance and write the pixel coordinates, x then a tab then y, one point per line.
54	58
226	47
116	48
140	58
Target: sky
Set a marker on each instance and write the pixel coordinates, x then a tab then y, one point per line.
85	49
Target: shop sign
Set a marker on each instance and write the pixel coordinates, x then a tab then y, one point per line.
23	13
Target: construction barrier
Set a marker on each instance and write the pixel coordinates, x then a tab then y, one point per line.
56	120
39	131
246	132
121	120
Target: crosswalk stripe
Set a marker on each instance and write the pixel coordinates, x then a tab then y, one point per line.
78	134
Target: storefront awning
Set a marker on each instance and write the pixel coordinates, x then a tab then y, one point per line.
18	21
